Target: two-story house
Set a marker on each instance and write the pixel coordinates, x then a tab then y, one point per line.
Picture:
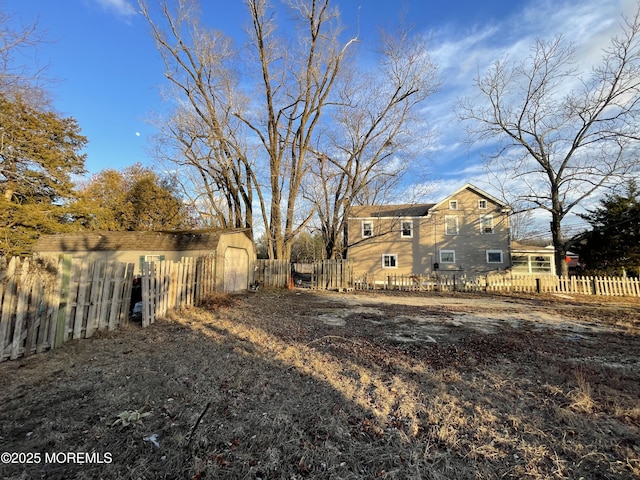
466	232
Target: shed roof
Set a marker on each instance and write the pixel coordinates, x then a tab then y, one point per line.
405	210
148	241
520	247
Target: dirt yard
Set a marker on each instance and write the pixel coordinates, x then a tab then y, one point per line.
299	384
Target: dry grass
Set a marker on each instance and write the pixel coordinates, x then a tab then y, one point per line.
256	387
581	398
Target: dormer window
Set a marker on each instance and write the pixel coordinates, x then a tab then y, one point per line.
453	204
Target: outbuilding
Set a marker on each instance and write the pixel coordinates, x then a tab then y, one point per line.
234	250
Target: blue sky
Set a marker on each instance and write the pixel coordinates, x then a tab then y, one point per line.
108	72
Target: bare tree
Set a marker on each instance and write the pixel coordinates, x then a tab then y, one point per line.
296	88
563	134
216	124
202	137
19	78
375	125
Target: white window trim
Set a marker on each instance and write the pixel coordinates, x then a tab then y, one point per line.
482	219
457	225
495	251
447	251
482	204
402	235
362	228
453	204
394	255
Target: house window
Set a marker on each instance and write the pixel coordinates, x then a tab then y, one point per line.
486	224
494	256
482	204
150	259
367	229
453	204
389	260
406	229
529	263
450	224
447	256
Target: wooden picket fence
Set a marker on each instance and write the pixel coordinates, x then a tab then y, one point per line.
42	308
417	283
339	275
323	275
169	285
272	273
577	285
332	275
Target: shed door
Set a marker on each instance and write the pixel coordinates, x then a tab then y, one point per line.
236	269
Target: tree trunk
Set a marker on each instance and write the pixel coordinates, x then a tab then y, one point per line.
559	246
329	244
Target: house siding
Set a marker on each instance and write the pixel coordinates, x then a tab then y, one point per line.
419	254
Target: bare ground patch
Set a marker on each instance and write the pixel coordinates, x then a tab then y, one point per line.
296	384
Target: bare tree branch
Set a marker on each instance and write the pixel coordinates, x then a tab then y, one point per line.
564	135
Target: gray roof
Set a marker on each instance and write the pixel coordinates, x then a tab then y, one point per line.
406	210
148	241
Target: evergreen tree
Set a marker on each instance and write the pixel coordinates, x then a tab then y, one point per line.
39	154
613	243
134	199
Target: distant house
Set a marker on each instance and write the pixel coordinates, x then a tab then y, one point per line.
468	231
234	250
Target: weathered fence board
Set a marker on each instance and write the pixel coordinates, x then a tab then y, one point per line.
273	273
8	298
81	303
39	312
94	299
23	299
332	275
168	285
205	277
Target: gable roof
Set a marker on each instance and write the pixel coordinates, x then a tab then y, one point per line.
379	211
415	209
147	241
477	191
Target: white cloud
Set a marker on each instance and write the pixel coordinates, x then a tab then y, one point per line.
463	53
121	8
